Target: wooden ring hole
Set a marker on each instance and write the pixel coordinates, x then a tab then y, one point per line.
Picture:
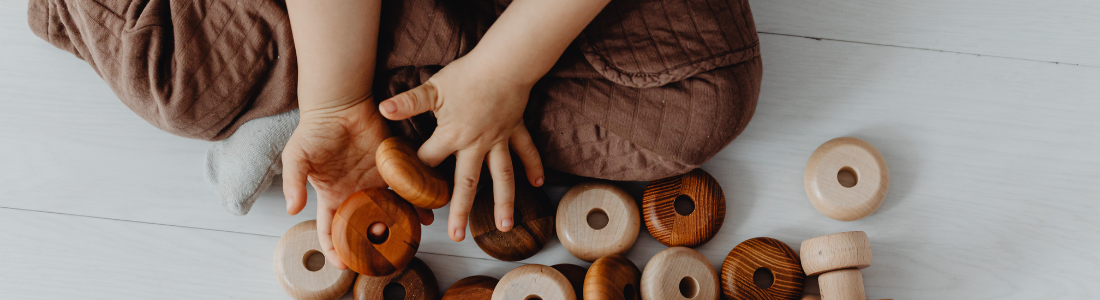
597	219
394	291
847	177
313	260
684	205
689	288
374	235
763	278
532	297
628	292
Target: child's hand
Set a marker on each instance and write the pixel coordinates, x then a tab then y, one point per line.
480	117
334	149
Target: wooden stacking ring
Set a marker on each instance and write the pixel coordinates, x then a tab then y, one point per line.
846	179
762	258
534	281
685	210
476	287
353	220
575	274
845	250
578	220
409	177
302	270
416	280
533	219
612	277
679	273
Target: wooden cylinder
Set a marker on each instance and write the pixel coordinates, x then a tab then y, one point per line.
533	223
836	251
476	287
301	267
353	220
679	273
575	274
409	177
770	256
534	281
846	179
416	279
612	277
676	226
588	200
846	284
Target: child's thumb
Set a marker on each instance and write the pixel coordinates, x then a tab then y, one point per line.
410	103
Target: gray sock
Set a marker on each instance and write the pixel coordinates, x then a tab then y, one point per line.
242	166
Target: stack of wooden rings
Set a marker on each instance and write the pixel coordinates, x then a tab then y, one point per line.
838	259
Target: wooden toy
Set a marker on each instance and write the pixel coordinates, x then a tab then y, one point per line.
575	274
612	277
302	270
416	282
533	224
846	179
382	256
686	210
471	288
530	282
838	258
409	177
749	266
597	219
679	273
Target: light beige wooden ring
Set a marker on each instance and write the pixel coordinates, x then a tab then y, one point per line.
580	212
534	281
679	273
844	284
303	271
846	179
836	251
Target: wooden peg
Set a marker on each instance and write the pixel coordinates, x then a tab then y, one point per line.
846	284
612	277
534	281
476	287
416	280
580	212
836	251
769	257
302	270
353	220
575	274
679	273
533	223
693	221
846	179
409	177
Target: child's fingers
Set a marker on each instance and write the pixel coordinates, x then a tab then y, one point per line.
467	171
410	103
295	172
504	185
525	148
427	217
325	212
435	149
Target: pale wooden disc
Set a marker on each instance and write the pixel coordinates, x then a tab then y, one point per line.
828	171
679	271
534	281
836	251
299	282
585	242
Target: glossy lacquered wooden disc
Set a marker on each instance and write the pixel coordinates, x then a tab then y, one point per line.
612	277
416	279
533	223
846	179
409	177
771	255
476	287
301	267
534	281
843	250
588	242
687	226
679	273
575	274
352	222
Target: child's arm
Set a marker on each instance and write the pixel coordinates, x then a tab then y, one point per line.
479	101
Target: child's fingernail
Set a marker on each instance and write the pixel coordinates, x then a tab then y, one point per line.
388	107
506	223
459	233
538	182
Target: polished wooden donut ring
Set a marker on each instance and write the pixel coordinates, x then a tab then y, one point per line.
538	281
679	273
417	279
585	242
295	250
697	227
409	177
844	250
533	224
612	277
762	253
476	287
846	179
352	221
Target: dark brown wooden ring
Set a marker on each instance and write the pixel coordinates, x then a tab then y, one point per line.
477	287
612	277
353	220
533	221
575	274
697	227
762	253
409	177
416	278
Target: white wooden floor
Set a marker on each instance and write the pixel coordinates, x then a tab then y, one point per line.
987	111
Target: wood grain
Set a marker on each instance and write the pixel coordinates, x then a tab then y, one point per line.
533	281
679	273
416	278
575	274
836	251
846	179
612	277
585	242
846	284
303	283
762	252
674	229
409	177
354	218
477	287
533	221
